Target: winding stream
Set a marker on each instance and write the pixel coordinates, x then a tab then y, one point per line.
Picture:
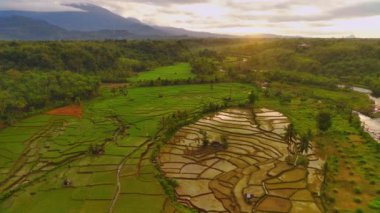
371	125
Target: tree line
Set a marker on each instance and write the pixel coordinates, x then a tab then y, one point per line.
350	61
26	92
111	60
37	75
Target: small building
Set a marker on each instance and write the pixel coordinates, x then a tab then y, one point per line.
67	182
248	198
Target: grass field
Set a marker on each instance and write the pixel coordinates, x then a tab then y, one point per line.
176	72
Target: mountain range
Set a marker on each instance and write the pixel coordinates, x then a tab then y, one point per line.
90	22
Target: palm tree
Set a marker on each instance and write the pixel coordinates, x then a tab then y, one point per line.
304	143
290	135
252	97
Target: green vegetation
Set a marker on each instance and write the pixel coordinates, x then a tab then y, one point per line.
322	62
102	58
40	65
304	144
205	62
184	156
27	92
176	72
64	142
375	204
205	140
323	121
203	66
252	97
107	158
343	145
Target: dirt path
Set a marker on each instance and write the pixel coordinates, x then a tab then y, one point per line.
119	169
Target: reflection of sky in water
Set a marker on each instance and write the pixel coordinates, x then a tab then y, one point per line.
362	90
376	100
372	124
366	91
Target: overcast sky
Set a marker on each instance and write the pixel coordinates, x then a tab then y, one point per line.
316	18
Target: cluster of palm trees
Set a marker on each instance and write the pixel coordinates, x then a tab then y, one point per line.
297	145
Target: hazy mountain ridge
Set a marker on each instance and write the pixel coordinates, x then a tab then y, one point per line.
92	22
22	28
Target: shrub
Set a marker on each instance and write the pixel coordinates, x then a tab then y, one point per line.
375	204
224	140
302	160
358	211
357	200
205	140
324	121
169	186
357	190
252	97
96	149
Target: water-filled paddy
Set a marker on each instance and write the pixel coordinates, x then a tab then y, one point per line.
242	168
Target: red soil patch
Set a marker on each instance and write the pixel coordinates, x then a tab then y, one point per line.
71	110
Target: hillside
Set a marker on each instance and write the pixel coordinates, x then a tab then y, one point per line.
91	22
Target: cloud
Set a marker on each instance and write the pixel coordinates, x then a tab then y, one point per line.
364	9
249	5
288	17
35	5
168	2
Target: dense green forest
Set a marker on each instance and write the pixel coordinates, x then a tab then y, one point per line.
349	61
22	92
112	60
36	75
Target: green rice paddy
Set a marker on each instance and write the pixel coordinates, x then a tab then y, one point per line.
181	71
39	153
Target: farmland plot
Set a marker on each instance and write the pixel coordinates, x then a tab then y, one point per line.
100	161
235	161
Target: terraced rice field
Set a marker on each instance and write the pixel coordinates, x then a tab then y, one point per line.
39	154
249	174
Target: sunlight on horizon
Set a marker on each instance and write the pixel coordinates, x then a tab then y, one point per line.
240	17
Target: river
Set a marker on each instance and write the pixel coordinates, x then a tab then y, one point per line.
371	125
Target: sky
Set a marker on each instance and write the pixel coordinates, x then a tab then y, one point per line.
316	18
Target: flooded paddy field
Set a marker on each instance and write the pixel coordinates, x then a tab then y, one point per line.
242	165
